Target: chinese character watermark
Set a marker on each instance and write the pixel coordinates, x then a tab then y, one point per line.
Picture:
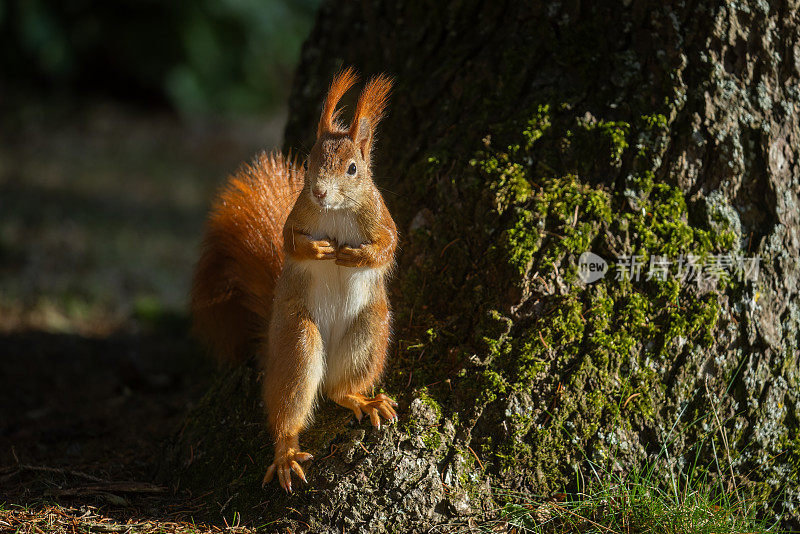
686	267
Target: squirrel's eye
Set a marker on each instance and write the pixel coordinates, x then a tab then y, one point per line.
351	169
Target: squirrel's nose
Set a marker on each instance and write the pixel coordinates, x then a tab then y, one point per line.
319	193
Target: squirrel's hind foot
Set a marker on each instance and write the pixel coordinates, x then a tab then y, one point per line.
379	406
284	463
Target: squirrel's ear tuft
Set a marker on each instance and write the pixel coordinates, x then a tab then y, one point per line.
369	112
343	81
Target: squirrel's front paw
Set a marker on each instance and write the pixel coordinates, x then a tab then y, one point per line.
349	256
284	464
323	250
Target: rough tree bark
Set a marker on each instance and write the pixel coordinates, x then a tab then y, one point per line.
519	136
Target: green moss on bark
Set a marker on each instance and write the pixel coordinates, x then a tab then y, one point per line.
609	342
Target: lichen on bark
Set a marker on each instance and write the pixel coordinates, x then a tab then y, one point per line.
511	147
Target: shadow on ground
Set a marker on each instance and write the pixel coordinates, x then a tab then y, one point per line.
101	212
85	420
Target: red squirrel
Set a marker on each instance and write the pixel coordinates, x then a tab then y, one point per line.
303	286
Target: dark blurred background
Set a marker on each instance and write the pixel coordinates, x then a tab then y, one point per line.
199	57
118	121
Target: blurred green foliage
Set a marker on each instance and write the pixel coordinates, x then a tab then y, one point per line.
205	56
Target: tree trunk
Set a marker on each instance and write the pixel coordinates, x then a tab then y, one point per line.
518	137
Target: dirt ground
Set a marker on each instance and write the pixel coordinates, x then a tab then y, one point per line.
101	212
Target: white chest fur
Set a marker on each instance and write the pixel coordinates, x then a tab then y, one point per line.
339	225
337	294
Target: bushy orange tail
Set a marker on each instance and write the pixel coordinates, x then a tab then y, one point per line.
242	256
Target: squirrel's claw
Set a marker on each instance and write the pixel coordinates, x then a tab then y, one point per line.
374	417
387	411
284	466
298	470
386	398
303	456
378	407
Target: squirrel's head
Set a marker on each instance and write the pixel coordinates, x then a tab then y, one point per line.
339	168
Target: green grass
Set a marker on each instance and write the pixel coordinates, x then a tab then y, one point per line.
701	500
634	503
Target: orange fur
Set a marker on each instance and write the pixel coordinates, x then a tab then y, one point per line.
369	112
371	103
339	86
242	255
298	277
